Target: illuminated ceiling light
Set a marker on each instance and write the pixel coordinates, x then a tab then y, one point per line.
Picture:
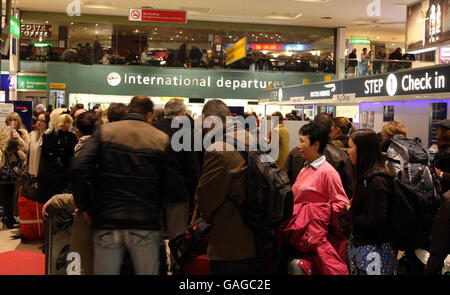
378	37
96	25
275	55
177	36
156	29
96	32
287	16
46	21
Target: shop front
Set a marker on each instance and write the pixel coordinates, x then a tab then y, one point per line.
418	98
104	84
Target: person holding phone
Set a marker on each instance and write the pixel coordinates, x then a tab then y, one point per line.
14	144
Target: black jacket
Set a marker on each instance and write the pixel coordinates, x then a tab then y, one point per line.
442	162
126	162
294	164
56	154
183	169
341	162
369	211
440	238
336	157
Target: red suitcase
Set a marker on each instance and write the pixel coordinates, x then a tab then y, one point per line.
31	223
197	266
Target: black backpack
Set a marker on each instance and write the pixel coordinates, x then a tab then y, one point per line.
192	243
269	200
411	213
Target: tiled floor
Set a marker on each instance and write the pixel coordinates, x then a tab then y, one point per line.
8	243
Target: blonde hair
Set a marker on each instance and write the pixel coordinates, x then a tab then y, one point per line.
57	119
16	116
392	128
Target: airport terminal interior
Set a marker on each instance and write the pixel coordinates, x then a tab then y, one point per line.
76	80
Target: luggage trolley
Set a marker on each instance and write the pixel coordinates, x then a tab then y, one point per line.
58	228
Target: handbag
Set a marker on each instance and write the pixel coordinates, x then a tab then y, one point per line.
10	172
28	183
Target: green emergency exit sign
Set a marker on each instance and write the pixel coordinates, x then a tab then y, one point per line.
359	41
15	26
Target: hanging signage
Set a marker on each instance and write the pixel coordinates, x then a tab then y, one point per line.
427	24
359	41
35	31
43	44
157	15
57	86
236	51
445	54
161	82
15	27
417	81
268	47
294	47
31	82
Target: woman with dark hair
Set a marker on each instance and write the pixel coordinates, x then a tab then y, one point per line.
318	181
370	250
319	200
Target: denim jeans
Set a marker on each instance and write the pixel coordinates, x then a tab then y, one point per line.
109	248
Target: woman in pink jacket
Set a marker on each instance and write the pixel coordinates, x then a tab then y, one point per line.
318	181
314	230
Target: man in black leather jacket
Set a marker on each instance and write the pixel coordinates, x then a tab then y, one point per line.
126	162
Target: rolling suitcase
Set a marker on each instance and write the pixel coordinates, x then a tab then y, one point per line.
31	223
197	266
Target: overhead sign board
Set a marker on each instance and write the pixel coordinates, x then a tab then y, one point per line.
411	82
359	41
157	15
268	47
15	27
237	51
31	82
36	31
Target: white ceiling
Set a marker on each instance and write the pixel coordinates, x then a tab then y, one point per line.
389	26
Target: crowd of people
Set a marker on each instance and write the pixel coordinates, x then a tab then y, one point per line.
131	188
378	63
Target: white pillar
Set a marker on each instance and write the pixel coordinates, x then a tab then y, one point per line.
340	51
14	61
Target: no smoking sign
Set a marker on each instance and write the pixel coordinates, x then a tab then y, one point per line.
135	15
